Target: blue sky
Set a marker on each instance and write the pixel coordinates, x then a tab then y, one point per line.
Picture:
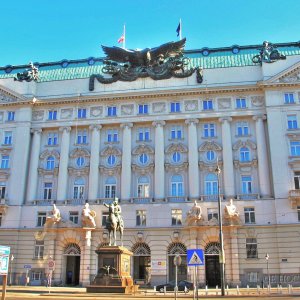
52	30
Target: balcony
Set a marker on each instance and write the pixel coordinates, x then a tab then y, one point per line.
177	199
247	196
213	197
142	200
294	197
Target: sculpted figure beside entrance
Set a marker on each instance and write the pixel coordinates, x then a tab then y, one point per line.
88	216
194	214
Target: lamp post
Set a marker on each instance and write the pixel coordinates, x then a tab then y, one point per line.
222	253
267	260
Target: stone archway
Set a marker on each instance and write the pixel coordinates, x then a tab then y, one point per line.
72	255
173	249
212	265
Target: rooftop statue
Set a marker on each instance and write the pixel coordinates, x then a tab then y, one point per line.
28	74
162	62
268	54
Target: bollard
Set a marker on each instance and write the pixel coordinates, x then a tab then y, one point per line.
237	290
165	289
248	290
277	288
269	289
258	289
280	287
227	290
206	290
217	292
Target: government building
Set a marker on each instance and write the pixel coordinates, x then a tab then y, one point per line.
85	131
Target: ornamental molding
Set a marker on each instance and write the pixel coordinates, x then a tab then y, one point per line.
209	167
191	105
115	170
210	145
245	166
38	115
4	174
5	150
143	149
176	148
48	153
239	144
96	111
45	172
9	96
143	170
127	109
78	172
77	152
257	101
159	107
66	113
176	168
294	161
224	103
293	135
110	150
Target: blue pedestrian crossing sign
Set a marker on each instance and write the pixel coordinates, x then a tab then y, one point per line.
195	257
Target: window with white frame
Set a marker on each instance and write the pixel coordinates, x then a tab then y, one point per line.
81	113
140	218
143	109
177	186
52	139
36	275
143	134
111	111
39	249
48	186
2	189
249	214
252	277
289	98
143	187
50	164
175	106
82	136
104	218
110	187
112	135
246	184
209	130
297	180
10	116
176	215
52	115
7	138
251	248
211	184
41	219
208	104
78	188
244	154
74	217
176	132
292	122
212	213
242	128
240	103
4	162
295	148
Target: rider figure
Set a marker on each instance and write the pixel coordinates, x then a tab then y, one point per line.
116	209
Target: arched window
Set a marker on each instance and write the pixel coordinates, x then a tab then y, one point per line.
176	157
143	189
78	188
80	161
211	184
110	187
244	154
50	163
143	158
176	185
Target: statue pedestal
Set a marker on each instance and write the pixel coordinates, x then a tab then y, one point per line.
113	271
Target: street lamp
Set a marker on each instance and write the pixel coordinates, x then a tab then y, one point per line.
267	259
222	253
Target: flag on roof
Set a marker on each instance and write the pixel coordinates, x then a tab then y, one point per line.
178	30
121	39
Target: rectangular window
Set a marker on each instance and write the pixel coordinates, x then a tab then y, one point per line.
298	211
240	103
207	104
52	115
10	116
78	191
176	132
292	122
251	247
82	137
41	219
104	218
52	139
212	213
0	219
140	218
242	128
297	180
253	277
176	217
144	134
48	190
289	98
35	276
249	215
295	148
143	109
112	135
111	111
246	185
110	191
81	113
175	106
4	162
39	249
209	130
2	189
7	138
73	217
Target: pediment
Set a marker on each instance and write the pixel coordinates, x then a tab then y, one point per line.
9	96
176	148
289	75
142	149
48	153
110	150
210	145
77	152
247	143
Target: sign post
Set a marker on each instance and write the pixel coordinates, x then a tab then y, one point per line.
177	262
4	263
195	257
51	267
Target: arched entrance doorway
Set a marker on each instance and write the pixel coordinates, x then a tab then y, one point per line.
212	265
141	262
173	249
72	254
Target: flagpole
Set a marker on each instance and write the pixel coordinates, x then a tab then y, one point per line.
124	34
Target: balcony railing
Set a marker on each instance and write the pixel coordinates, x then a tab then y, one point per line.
211	197
176	199
141	200
294	197
247	196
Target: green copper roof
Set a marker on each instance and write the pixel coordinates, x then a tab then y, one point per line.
217	58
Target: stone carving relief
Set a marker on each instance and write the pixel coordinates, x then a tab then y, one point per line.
210	145
257	101
38	115
176	168
110	150
127	109
66	113
47	153
159	107
96	111
105	153
224	103
142	149
176	148
191	105
294	77
4	98
79	152
247	143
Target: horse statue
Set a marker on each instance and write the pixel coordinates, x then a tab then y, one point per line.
114	222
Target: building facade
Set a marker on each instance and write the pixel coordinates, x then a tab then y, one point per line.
155	145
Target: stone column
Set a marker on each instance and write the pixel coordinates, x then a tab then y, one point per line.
235	270
263	166
126	162
159	171
62	187
228	171
193	159
85	261
94	162
34	164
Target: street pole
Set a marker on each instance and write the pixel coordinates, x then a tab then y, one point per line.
267	259
10	273
222	253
